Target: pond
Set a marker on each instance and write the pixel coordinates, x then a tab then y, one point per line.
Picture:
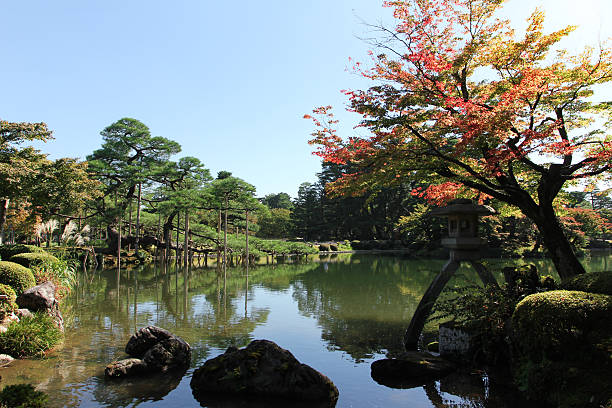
337	314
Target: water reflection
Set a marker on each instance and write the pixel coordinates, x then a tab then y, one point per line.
346	311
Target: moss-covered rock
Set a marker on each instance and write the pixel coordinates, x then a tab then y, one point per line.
550	324
16	276
7	251
7	301
563	347
29	259
144	256
595	282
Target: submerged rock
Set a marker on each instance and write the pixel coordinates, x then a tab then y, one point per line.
262	369
410	369
122	368
41	298
153	350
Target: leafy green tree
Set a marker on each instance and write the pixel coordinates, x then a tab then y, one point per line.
19	166
275	223
280	200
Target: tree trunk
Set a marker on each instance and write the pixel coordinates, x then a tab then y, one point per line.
225	241
3	209
247	243
168	227
186	246
130	223
559	249
138	218
178	227
119	242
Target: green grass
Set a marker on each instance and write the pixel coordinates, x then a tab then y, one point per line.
30	337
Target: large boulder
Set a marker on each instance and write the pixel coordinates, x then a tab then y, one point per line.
410	369
153	350
262	369
41	298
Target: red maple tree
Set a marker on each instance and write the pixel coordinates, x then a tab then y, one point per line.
462	102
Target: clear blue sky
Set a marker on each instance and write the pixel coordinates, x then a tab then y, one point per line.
229	81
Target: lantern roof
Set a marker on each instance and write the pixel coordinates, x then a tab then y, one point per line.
462	206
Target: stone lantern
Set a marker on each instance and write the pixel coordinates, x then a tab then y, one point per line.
463	239
464	244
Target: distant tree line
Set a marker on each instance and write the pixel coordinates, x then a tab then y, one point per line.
131	193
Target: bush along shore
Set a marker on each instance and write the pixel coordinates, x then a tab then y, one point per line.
32	281
556	339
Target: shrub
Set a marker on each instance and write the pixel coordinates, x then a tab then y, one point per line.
23	396
31	336
7	305
61	272
7	251
486	312
16	276
560	322
483	312
562	347
595	282
324	247
28	259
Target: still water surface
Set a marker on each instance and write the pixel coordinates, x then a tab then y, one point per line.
336	314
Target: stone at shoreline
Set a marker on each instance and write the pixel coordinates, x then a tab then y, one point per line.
410	369
41	298
153	350
262	369
23	313
5	360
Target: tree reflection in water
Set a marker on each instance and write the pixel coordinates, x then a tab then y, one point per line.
361	305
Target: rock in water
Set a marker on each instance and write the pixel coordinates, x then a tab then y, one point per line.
262	369
411	369
122	368
42	298
153	350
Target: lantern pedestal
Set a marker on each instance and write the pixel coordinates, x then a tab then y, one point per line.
464	245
